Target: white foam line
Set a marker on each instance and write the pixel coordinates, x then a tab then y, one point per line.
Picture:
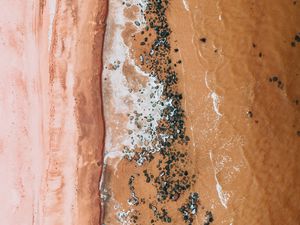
112	155
224	197
215	98
120	91
220	12
127	101
186	5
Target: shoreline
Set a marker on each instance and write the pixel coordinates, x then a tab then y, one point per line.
226	63
150	112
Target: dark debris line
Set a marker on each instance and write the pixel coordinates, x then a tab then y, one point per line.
296	40
275	79
174	180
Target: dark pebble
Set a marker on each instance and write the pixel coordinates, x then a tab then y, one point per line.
297	38
203	40
250	114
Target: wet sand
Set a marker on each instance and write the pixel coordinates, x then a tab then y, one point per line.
200	109
237	70
52	126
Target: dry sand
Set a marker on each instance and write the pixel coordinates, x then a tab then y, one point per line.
52	129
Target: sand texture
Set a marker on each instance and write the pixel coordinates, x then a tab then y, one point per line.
150	112
51	116
201	106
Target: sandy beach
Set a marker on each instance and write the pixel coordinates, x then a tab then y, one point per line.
150	112
236	68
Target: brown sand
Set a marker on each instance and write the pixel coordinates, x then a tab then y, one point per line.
264	146
244	128
239	77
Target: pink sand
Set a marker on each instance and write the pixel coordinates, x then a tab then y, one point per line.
37	140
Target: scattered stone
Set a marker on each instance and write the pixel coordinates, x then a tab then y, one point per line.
208	218
297	37
250	114
190	208
203	40
167	150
